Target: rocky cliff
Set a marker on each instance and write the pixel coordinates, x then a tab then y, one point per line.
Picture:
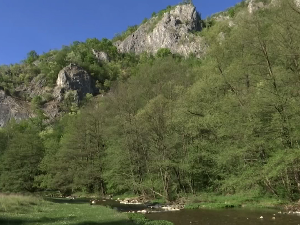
71	81
11	108
175	30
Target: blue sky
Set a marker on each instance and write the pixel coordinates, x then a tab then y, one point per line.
42	25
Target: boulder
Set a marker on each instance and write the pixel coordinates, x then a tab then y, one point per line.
73	79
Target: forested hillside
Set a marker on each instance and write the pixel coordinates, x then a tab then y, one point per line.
166	125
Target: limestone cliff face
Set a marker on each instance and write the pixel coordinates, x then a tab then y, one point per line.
11	108
174	31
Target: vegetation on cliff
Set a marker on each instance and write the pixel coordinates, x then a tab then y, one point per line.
169	126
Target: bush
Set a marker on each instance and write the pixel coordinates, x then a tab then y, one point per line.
140	219
37	102
122	36
47	97
163	52
145	21
231	12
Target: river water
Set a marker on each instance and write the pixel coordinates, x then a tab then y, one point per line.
203	216
226	217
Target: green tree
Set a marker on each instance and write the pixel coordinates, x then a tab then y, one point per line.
19	163
31	57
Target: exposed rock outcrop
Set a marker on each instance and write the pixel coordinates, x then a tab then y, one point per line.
38	86
175	30
101	56
73	79
11	108
254	5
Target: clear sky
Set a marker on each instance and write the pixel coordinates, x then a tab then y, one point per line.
42	25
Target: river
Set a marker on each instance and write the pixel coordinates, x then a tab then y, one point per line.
204	216
226	217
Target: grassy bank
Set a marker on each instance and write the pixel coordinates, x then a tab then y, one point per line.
215	201
19	209
20	204
245	200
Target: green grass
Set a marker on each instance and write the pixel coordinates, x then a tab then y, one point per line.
245	200
19	203
17	209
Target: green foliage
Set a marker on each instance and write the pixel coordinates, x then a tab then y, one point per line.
45	68
231	12
21	158
140	219
227	124
122	36
19	203
163	52
209	22
145	21
31	57
32	210
37	102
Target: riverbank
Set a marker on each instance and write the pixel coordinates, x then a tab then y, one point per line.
213	201
19	209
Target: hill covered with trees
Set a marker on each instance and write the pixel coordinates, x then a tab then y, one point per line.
165	125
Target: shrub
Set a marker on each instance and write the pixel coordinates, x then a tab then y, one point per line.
140	219
163	52
122	36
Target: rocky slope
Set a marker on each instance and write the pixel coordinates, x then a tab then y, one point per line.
11	108
73	82
175	30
